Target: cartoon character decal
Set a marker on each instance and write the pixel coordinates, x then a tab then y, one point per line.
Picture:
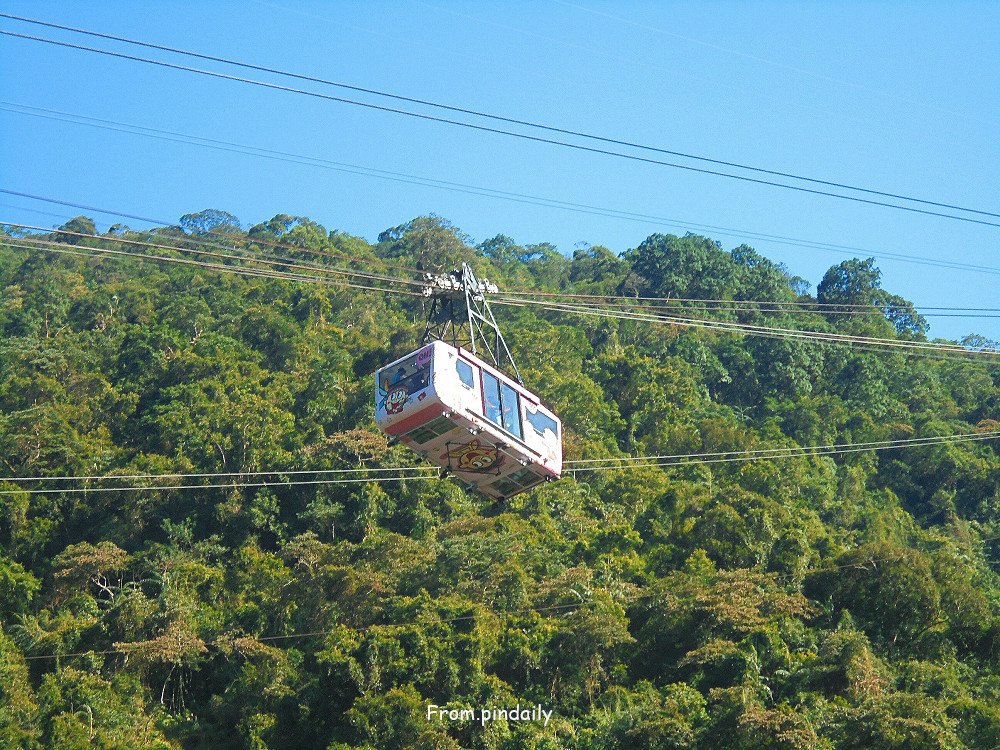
396	399
397	383
474	457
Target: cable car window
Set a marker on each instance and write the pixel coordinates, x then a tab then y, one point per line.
465	373
413	373
511	411
541	422
491	394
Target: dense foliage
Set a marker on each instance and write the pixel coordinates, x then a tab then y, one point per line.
847	601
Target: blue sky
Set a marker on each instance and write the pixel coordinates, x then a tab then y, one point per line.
901	97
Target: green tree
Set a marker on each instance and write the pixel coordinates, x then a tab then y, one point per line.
210	220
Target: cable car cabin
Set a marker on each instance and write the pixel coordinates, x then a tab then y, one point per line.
469	418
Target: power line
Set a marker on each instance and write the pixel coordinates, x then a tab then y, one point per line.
770	331
266	273
523	198
311	634
735	326
53	214
214	475
732	325
744	459
55	247
914	348
876	344
199	241
499	131
272	261
622	302
756	306
708	300
225	485
85	207
690	322
580	309
796	450
603	464
777	334
268	260
866	343
628	302
500	118
50	246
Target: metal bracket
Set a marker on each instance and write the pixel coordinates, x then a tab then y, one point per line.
461	316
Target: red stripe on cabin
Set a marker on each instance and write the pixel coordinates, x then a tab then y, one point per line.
415	420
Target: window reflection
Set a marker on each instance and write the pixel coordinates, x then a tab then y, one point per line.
412	373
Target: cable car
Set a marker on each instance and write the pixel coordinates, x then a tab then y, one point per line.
462	413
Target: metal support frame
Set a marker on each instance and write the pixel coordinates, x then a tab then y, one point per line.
461	316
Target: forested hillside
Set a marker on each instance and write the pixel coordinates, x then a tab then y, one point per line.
799	597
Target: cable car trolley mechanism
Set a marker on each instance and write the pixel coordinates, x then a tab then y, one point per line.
451	402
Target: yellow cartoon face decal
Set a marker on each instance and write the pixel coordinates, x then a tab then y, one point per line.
474	457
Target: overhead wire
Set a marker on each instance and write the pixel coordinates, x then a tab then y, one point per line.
773	332
687	459
928	348
823	341
498	131
768	331
764	306
732	325
627	301
222	485
46	244
55	247
52	247
575	470
267	260
205	239
826	306
796	450
737	457
651	312
509	120
393	176
480	191
213	474
216	642
588	309
460	187
18	208
120	214
931	349
573	467
857	343
202	242
488	193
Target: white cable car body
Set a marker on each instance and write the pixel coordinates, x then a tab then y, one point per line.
470	419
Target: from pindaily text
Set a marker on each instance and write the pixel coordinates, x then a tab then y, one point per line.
486	715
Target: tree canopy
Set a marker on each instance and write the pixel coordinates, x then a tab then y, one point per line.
839	601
